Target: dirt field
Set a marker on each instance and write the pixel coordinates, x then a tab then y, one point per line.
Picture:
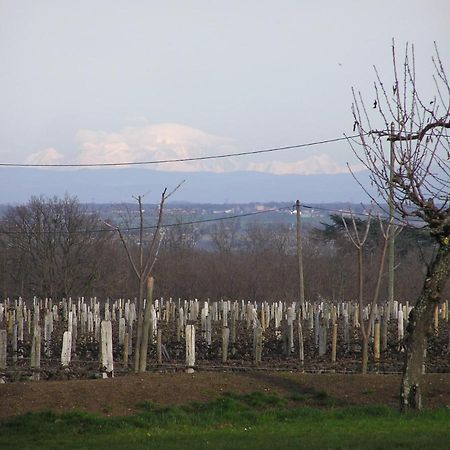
121	395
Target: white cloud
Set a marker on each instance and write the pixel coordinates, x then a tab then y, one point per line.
165	141
48	156
317	164
156	142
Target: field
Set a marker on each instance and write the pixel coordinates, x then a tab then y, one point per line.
68	382
255	409
229	335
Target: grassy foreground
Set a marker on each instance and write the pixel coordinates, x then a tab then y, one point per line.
251	421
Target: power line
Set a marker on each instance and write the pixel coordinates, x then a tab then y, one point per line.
178	160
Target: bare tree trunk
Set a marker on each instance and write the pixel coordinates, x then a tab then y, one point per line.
301	280
140	321
419	327
364	334
146	326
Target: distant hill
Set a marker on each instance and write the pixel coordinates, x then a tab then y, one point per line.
119	185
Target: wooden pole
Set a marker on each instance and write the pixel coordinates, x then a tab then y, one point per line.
391	248
301	352
300	259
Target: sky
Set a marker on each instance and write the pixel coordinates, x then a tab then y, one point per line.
112	81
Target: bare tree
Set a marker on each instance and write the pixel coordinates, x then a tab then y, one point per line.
54	246
142	266
359	240
417	182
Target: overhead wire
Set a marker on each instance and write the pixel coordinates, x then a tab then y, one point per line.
193	158
181	160
190	159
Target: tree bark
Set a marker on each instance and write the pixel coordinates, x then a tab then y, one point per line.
140	322
146	326
419	328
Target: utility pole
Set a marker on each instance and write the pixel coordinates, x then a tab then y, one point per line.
300	259
391	249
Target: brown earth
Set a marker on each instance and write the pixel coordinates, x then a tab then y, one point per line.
121	395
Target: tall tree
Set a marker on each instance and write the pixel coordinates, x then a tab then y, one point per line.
417	183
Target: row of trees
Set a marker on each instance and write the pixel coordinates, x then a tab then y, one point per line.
59	248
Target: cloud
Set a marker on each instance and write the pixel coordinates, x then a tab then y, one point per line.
156	142
48	156
316	164
151	142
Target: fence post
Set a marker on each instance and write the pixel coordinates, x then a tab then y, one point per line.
159	345
376	341
334	341
36	351
257	344
225	339
190	347
3	348
106	349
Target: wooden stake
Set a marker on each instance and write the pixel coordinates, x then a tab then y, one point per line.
125	349
190	347
334	342
3	348
225	340
36	351
159	345
376	342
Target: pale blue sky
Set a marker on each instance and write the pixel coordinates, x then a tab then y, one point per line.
112	80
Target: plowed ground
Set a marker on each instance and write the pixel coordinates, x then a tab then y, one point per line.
122	395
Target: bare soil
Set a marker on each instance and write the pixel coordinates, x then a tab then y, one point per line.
121	395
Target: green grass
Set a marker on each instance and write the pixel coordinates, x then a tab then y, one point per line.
250	421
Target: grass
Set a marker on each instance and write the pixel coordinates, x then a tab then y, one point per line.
250	421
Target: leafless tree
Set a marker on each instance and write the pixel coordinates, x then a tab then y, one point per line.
407	153
54	246
142	265
359	240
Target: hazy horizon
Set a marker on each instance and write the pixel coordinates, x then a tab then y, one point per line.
96	81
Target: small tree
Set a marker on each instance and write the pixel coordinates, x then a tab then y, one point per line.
359	239
142	266
412	172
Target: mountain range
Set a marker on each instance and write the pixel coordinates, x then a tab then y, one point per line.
119	185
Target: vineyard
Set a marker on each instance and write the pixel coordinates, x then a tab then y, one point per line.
86	338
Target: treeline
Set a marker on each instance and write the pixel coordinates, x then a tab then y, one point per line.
58	248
